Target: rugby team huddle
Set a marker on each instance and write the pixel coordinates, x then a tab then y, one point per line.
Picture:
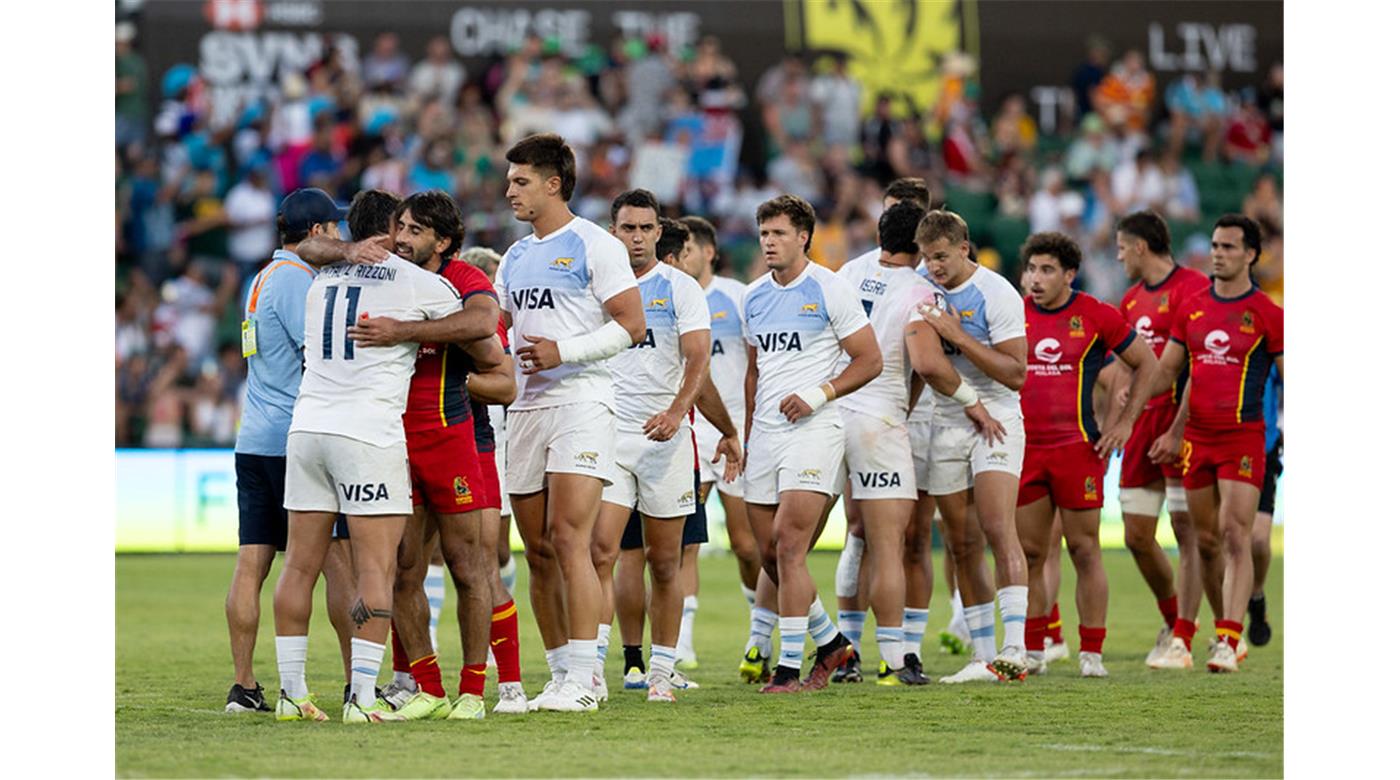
917	382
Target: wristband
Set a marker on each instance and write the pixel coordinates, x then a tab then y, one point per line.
601	344
814	397
965	395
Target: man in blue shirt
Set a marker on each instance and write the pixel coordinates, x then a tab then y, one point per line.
1259	630
273	331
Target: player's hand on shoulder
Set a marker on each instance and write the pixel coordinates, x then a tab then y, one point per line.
374	249
377	331
794	408
988	427
538	354
945	323
662	425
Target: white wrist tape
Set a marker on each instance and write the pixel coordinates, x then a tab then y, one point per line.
601	344
965	395
814	396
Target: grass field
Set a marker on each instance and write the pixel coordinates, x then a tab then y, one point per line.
173	671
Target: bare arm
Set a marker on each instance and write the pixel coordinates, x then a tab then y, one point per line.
626	309
927	359
1168	368
695	351
750	393
494	386
712	408
1138	356
487	353
866	364
540	354
476	320
1004	362
324	250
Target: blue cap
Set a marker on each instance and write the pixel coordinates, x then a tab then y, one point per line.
307	207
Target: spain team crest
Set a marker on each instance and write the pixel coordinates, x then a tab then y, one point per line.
1076	326
1247	322
1246	466
462	489
1164	304
1091	489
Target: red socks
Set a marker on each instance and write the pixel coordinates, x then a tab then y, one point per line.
1185	629
1052	629
1035	633
1229	631
473	679
428	675
1168	609
1091	639
505	642
401	663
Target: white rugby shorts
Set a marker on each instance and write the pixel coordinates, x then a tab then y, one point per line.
879	458
806	457
657	478
921	443
330	473
569	439
706	440
959	454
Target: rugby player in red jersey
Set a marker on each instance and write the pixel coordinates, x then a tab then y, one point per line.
444	465
1230	335
1070	334
1144	248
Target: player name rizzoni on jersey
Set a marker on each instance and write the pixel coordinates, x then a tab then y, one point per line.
357	391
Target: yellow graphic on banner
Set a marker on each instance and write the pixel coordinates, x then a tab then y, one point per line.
894	46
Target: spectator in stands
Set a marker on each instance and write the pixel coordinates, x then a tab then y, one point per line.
190	309
1138	185
771	84
132	88
649	79
837	98
434	170
1124	98
792	118
1089	73
1013	131
1248	135
1182	198
1197	113
1264	204
439	76
251	210
796	173
203	225
1053	206
1271	104
385	66
1093	150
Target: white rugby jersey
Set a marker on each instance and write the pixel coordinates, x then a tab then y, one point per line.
729	359
991	311
554	287
796	330
357	391
647	376
891	296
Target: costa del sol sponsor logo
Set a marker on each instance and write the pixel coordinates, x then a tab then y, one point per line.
1217	343
1048	351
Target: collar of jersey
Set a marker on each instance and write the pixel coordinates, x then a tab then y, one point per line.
965	284
1072	295
1165	279
800	277
655	271
1252	289
282	254
555	234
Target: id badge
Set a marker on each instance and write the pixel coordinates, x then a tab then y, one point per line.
250	338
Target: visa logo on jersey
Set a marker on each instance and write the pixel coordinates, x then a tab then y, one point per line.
878	479
780	342
367	491
648	340
532	298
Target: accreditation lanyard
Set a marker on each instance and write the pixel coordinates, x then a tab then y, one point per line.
250	326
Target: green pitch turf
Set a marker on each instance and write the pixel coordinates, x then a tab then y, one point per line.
173	672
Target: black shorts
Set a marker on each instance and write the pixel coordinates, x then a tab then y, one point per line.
1273	467
696	525
261	482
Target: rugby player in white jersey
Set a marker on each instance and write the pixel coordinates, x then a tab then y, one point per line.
346	453
983	326
569	294
798	320
655	383
729	361
879	459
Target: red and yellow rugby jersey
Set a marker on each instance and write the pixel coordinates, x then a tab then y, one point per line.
1067	348
1150	309
437	394
1231	345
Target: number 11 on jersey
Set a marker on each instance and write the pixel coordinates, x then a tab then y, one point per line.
328	337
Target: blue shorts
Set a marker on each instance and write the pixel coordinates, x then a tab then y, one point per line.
261	481
696	525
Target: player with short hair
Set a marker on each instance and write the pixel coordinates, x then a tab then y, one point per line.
444	463
983	327
346	453
273	328
1230	335
571	297
798	320
878	457
1160	286
1071	334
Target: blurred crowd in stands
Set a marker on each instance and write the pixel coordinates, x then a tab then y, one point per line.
196	199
